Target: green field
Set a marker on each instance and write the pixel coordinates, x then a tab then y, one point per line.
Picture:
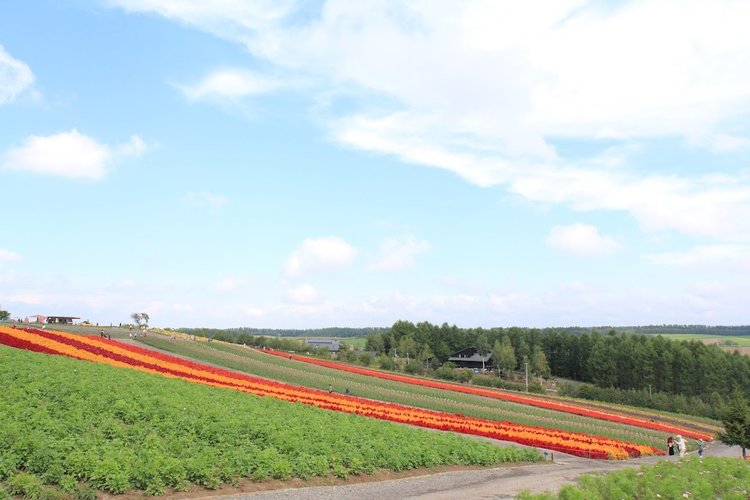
84	426
740	341
710	478
298	373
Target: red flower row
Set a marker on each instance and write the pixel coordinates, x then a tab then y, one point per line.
122	355
503	395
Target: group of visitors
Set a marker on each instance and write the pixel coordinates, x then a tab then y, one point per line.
681	446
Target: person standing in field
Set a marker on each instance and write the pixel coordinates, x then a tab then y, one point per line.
681	445
700	448
670	446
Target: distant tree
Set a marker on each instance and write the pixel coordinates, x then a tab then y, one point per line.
507	359
483	346
4	315
736	420
407	347
426	354
386	362
497	352
375	342
539	364
141	319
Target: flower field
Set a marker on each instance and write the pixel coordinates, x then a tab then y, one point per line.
117	354
72	429
507	396
291	371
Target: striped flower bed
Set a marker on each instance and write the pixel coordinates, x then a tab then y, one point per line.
121	355
505	396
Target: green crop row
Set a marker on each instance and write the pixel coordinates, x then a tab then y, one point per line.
83	427
709	478
294	372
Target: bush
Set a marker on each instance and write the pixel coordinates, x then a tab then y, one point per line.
365	359
464	375
386	362
413	367
445	372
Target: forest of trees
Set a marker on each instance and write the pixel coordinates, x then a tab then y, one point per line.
686	371
233	333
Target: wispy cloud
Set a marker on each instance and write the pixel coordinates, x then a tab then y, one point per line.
542	80
319	254
230	283
724	257
303	294
15	77
581	239
398	253
229	83
8	256
68	154
205	199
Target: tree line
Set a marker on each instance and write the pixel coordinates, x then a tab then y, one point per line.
687	374
234	333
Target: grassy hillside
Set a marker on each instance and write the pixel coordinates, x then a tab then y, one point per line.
709	478
85	426
251	361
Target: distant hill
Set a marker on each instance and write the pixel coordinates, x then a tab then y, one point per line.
341	332
717	330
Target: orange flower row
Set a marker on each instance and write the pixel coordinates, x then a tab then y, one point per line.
506	396
121	355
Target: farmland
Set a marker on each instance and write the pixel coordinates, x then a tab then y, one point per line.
294	372
117	354
204	455
87	425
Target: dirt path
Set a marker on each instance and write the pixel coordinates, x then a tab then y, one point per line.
499	483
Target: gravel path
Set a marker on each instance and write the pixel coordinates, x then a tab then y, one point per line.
499	483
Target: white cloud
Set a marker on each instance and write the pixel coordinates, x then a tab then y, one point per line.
68	154
230	283
134	147
482	89
303	294
319	254
581	239
398	253
15	77
229	83
726	257
204	198
723	143
8	256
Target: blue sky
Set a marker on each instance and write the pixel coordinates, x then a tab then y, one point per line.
307	164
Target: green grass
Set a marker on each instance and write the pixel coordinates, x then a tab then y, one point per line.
356	342
298	373
709	478
82	426
741	341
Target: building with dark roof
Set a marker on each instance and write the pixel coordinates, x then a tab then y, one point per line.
331	344
470	358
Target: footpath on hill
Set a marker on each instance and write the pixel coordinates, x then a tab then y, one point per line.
497	483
